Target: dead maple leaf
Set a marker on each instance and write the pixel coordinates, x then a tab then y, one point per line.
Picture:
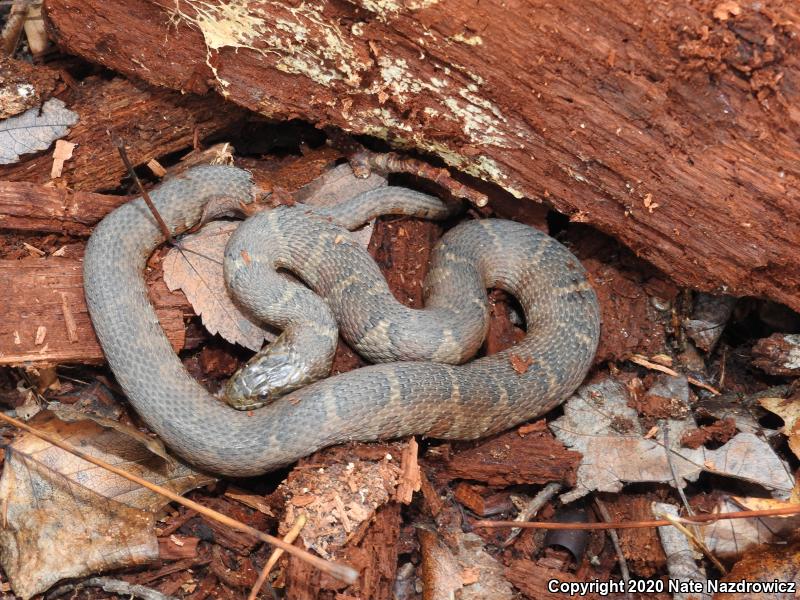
67	518
728	538
34	130
197	270
613	456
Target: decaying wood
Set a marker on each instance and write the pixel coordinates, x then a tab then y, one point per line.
151	121
402	247
34	207
45	319
666	125
373	552
641	547
778	354
532	579
513	458
23	86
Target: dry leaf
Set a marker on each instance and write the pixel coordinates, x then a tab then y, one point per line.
197	270
787	409
599	423
728	538
33	130
69	414
67	518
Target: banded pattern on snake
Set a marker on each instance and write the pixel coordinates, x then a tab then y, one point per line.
380	401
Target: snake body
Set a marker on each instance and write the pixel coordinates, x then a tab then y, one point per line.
380	401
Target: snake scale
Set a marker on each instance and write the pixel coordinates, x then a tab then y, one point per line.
388	400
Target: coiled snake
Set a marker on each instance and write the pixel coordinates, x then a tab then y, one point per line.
413	396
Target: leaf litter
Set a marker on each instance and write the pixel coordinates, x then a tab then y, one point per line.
599	423
67	518
34	130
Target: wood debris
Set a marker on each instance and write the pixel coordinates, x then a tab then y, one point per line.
672	392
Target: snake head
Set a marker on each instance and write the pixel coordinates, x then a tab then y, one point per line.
266	377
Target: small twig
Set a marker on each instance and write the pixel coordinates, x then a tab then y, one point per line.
648	364
276	554
114	586
531	508
792	509
612	534
695	540
364	161
696	382
12	30
664	425
343	572
156	215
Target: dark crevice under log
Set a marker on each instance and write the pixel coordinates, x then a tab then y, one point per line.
668	126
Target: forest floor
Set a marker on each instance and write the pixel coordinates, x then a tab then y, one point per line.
690	406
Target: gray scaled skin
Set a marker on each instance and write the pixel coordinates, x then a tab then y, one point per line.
381	401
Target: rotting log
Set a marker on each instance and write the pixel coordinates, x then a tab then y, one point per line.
23	86
33	207
151	121
671	126
45	319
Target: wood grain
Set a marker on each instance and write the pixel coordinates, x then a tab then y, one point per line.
33	207
664	125
45	319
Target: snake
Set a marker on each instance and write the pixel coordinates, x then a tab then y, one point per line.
439	396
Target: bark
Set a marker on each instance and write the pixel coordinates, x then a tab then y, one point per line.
514	458
671	126
151	121
45	319
32	207
23	86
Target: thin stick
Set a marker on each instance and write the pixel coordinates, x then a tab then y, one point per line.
791	509
532	507
612	534
664	424
696	541
115	586
276	554
342	572
156	215
363	161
